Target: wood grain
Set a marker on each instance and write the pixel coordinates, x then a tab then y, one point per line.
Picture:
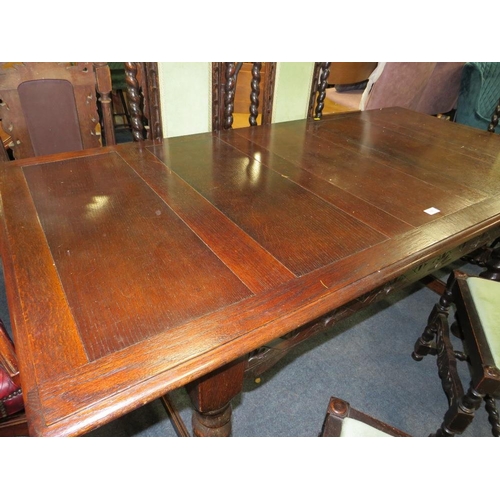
136	269
115	243
299	229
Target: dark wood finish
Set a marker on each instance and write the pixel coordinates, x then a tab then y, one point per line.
143	91
14	426
52	107
338	410
268	355
212	395
323	81
485	376
268	95
217	95
152	101
235	91
104	88
254	94
434	284
135	101
229	93
314	88
155	266
494	118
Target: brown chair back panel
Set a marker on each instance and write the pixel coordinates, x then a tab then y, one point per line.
90	82
49	106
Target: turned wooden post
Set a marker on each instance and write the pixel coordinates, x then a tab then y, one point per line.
254	94
211	396
134	100
103	88
229	93
323	79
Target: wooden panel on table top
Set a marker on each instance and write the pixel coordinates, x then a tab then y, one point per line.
247	325
298	228
363	211
236	249
425	160
470	140
103	224
358	175
34	292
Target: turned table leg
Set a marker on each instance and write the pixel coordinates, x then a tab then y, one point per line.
211	396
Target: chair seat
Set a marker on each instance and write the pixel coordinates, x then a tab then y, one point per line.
486	298
343	421
355	428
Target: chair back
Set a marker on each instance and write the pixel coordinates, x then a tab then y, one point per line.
396	84
49	108
242	88
427	87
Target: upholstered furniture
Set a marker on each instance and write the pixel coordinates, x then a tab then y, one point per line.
476	301
479	95
12	417
53	107
345	73
427	87
343	421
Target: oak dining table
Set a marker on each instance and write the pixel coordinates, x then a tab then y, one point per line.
136	269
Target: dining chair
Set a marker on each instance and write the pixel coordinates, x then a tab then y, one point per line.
143	100
476	302
428	87
257	96
12	416
343	421
55	107
478	100
121	113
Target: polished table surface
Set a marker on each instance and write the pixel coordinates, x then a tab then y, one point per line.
135	269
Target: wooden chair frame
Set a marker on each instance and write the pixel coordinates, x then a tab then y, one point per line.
338	410
91	84
224	78
485	376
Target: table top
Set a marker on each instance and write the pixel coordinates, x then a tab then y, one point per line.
133	269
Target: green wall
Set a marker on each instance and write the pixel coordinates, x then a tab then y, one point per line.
292	91
185	91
